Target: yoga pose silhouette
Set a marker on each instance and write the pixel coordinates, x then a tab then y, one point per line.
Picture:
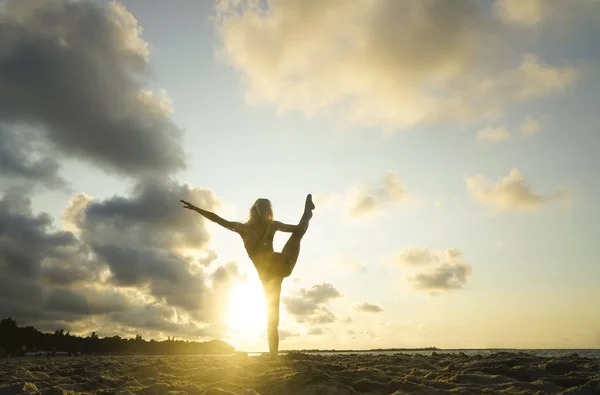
272	267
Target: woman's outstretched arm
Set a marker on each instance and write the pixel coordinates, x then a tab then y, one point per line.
234	226
280	226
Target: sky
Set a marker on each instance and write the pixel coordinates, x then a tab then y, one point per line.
450	146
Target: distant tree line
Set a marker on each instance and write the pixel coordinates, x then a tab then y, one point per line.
15	340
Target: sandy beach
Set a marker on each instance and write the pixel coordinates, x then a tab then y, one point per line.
303	374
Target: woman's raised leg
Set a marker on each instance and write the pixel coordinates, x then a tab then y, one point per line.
291	250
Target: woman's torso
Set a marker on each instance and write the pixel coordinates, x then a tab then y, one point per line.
258	238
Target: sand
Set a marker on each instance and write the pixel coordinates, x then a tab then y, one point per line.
303	374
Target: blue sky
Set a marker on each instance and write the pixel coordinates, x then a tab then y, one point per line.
299	97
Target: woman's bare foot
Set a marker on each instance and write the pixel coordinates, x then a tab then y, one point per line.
309	205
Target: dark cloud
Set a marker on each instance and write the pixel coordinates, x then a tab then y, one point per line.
415	256
18	291
65	272
73	71
31	301
71	85
99	272
151	216
321	293
224	276
368	308
308	305
27	240
167	274
286	334
34	259
315	331
445	277
138	237
158	318
17	161
321	316
451	272
66	301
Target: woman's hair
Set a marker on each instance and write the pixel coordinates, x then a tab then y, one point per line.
261	211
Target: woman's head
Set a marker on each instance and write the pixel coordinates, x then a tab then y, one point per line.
261	210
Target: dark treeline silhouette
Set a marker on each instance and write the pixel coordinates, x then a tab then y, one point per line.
15	340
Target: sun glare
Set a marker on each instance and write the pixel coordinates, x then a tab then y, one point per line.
246	313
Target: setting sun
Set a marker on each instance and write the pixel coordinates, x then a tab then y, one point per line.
246	311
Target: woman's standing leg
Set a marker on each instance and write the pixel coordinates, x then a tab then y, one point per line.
272	289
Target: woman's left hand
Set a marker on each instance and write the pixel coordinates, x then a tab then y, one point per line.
188	205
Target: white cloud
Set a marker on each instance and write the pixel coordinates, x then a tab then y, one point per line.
530	126
364	199
386	63
510	193
559	14
522	12
533	78
368	200
493	135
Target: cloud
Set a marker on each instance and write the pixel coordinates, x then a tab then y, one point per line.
530	126
308	305
534	13
368	308
493	135
530	80
315	331
522	12
138	237
17	160
321	293
30	301
369	200
438	271
286	334
99	273
73	73
83	301
364	200
46	274
390	64
151	216
414	256
27	241
443	278
510	193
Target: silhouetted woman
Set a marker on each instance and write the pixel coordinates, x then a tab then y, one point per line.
257	234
